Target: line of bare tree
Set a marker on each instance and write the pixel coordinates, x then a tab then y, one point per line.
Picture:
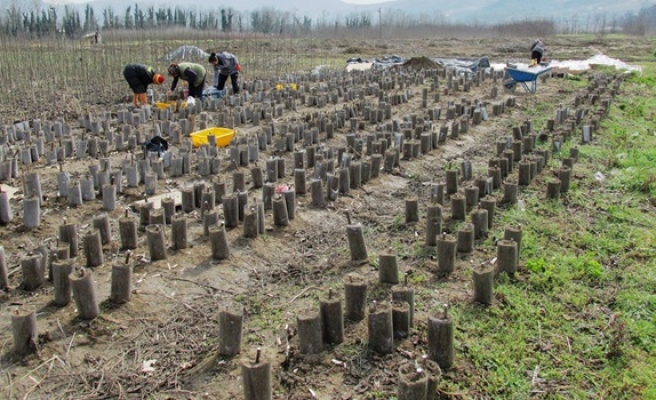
75	22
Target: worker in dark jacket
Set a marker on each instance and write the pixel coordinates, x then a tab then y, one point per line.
537	51
225	65
139	76
193	74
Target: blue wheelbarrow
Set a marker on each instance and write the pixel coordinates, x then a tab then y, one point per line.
526	77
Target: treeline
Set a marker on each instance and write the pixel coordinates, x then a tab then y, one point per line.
640	23
73	23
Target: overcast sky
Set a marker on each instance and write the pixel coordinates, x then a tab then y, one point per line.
62	2
367	1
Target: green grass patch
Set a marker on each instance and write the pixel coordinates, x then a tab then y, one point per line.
579	320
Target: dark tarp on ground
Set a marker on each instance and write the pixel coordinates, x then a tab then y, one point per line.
378	63
464	64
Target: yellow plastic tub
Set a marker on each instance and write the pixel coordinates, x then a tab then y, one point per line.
281	86
223	136
163	105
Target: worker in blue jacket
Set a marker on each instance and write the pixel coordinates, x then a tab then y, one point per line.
225	65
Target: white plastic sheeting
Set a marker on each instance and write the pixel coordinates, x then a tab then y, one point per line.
565	66
187	53
578	66
575	67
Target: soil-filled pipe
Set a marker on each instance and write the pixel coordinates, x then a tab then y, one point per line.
446	254
101	223
127	228
451	181
465	237
434	374
355	297
507	256
310	334
256	377
219	243
413	383
280	216
489	203
93	251
400	319
230	329
357	245
441	340
483	282
109	197
231	210
168	205
379	328
4	274
458	207
332	320
68	234
31	213
480	224
553	189
388	268
179	237
156	242
157	217
33	272
6	214
250	224
75	195
84	294
62	284
514	233
24	330
433	224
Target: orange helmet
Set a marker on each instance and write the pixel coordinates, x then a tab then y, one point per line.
158	79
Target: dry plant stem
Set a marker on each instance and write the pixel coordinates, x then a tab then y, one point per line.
302	293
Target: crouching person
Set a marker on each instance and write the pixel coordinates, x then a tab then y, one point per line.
139	76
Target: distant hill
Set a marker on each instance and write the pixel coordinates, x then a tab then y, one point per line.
495	11
481	11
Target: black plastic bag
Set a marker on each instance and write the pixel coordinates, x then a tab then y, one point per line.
156	145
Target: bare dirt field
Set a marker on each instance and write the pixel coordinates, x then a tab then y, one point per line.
162	344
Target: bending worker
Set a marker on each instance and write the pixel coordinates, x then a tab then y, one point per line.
139	76
225	65
537	51
193	74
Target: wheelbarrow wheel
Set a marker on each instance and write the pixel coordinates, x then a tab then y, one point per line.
509	86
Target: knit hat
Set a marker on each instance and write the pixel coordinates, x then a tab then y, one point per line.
158	79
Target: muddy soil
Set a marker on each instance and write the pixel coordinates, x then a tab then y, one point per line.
163	343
